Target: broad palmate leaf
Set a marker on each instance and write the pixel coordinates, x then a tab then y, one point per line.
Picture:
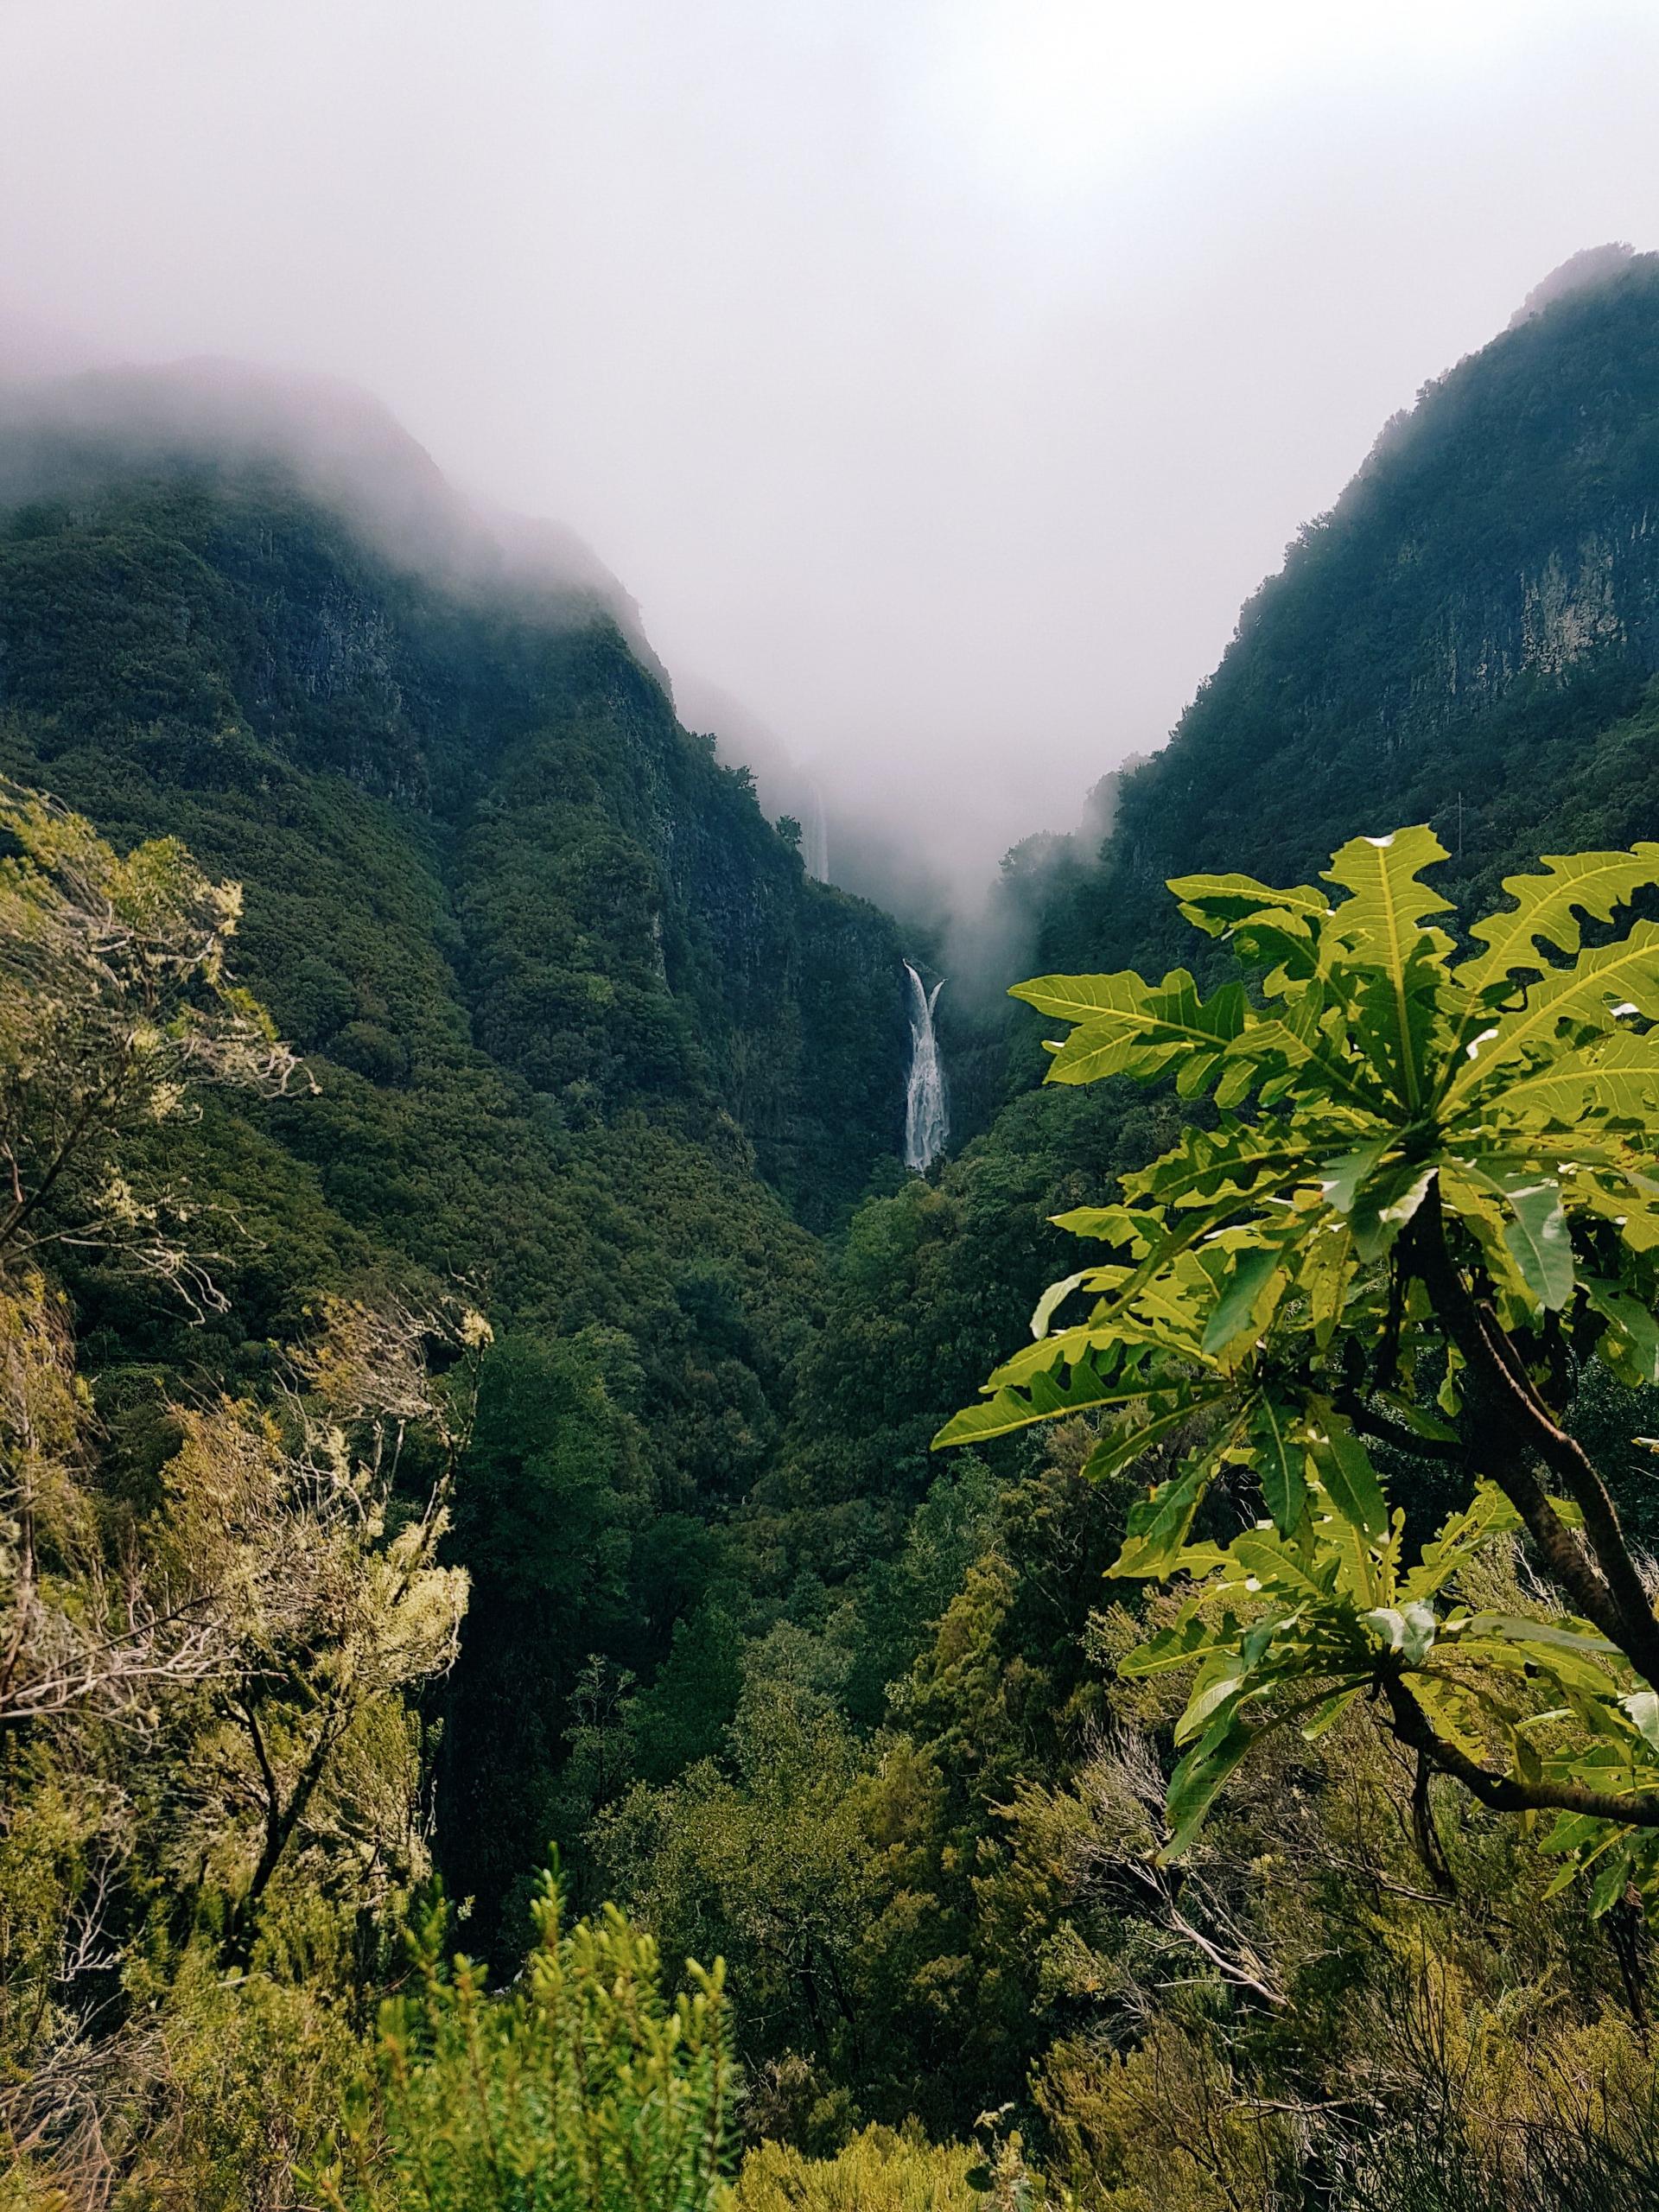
1443	1200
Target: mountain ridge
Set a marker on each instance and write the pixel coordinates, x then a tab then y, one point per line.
1490	571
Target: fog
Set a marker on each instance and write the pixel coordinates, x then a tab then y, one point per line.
64	431
937	376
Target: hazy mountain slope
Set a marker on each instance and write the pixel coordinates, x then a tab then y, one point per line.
588	1042
1480	616
619	923
1444	645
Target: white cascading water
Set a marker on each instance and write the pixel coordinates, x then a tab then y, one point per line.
927	1118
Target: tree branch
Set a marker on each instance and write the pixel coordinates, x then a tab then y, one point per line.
1369	1422
95	1101
1504	1793
1604	1585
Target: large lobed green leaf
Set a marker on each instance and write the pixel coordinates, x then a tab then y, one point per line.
1269	1308
1548	908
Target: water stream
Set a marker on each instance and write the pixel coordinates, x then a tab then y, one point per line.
927	1122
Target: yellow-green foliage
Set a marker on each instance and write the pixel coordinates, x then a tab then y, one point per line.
877	2172
240	2083
1475	2101
114	1009
584	2088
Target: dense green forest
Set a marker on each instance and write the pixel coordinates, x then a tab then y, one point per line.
580	1035
518	1306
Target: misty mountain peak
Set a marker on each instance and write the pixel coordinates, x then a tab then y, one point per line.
1579	272
66	435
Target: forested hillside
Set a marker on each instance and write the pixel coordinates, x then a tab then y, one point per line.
564	1316
581	1039
1466	637
1469	639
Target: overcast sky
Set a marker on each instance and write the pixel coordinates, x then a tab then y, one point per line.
939	375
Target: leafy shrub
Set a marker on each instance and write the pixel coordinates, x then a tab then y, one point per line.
1441	1211
581	2086
877	2172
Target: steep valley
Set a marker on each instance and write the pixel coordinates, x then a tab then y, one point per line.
587	1047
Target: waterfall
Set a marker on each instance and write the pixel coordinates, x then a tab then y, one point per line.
926	1121
815	845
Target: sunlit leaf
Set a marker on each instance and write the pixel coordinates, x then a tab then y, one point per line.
1274	1564
1127	1446
1193	1785
1349	1480
1548	908
1278	1466
1215	903
1616	1080
1158	1524
1171	1024
1188	1639
1342	1177
1452	1713
1249	1274
1624	973
1462	1537
1082	998
1329	1711
1205	1703
1383	917
1634	1326
1538	1239
1049	1395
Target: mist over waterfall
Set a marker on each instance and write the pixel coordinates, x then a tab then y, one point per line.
815	847
926	1117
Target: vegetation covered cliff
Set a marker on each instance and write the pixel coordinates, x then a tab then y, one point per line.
1465	638
580	1034
1470	640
